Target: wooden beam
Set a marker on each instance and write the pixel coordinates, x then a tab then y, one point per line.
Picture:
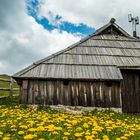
11	87
8	89
6	80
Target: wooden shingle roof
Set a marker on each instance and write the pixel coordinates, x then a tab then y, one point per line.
99	56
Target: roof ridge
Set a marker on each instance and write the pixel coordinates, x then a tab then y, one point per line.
115	25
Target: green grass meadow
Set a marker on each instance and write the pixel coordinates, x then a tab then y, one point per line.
6	85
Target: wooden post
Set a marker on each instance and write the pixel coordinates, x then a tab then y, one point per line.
11	87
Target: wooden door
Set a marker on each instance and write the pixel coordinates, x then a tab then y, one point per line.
130	87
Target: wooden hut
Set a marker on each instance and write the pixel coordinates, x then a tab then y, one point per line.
101	70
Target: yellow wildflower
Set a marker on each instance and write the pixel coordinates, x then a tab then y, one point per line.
78	134
29	137
124	138
6	138
118	138
89	137
20	132
105	137
66	133
85	125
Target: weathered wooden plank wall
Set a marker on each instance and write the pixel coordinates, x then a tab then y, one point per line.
131	91
76	93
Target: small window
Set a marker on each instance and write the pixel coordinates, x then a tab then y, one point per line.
109	83
66	82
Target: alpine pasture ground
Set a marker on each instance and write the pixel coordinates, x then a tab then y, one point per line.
24	123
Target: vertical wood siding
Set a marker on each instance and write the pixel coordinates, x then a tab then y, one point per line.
95	94
131	91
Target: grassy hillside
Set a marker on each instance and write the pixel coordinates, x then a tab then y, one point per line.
6	85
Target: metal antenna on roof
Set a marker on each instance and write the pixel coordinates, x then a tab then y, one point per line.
135	21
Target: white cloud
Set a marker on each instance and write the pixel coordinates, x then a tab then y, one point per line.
23	41
94	13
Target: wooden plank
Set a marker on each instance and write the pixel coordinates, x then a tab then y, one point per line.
11	87
20	95
36	92
51	93
103	95
55	92
61	92
88	93
72	93
110	99
112	96
80	98
136	103
85	94
24	91
106	96
30	93
38	98
41	94
64	94
77	93
97	94
69	94
94	93
117	95
91	94
6	80
33	94
8	89
47	93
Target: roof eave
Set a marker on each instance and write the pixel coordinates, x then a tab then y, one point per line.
51	78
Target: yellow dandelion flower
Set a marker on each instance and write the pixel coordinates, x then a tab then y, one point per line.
20	132
118	138
23	126
85	125
66	133
29	137
79	129
55	133
32	129
89	137
105	137
78	134
123	138
6	138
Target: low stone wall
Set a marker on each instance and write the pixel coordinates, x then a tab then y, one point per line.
77	109
80	109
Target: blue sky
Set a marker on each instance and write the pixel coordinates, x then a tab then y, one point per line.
81	29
